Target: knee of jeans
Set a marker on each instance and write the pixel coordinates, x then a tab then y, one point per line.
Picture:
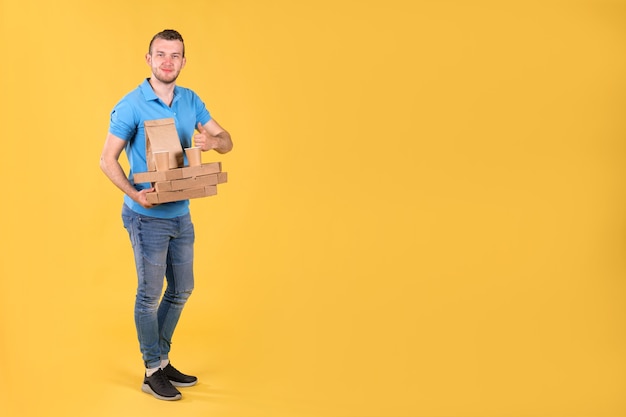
180	296
146	303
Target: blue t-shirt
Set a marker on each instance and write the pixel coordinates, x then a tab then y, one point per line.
126	123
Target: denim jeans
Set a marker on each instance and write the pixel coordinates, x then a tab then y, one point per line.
162	248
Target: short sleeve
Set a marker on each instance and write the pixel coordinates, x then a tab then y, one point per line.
123	123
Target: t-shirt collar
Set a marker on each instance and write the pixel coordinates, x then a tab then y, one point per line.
148	92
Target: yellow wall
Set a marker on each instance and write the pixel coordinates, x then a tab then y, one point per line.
425	213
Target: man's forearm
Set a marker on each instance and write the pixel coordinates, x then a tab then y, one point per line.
113	170
224	143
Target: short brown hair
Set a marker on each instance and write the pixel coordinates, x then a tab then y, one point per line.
168	35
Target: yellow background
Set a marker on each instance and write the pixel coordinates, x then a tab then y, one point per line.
425	213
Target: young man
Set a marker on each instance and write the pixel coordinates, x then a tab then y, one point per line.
162	236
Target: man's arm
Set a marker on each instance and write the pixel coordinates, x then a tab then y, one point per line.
110	165
213	136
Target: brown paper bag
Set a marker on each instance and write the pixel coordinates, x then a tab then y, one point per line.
161	135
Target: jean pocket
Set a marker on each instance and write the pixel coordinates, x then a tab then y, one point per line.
130	226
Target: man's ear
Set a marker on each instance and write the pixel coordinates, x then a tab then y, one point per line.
184	62
148	59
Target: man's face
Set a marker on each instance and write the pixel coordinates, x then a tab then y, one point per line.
166	60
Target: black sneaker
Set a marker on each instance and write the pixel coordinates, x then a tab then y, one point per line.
177	378
158	385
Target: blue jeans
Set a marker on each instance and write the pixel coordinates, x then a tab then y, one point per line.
162	248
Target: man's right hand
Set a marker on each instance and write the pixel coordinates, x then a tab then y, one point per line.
141	198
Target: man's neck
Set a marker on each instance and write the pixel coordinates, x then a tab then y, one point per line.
162	90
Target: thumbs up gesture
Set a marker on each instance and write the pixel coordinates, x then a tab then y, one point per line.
202	139
212	138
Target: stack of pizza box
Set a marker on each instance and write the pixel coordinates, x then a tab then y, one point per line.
175	182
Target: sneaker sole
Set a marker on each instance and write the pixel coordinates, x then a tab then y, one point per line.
146	388
183	384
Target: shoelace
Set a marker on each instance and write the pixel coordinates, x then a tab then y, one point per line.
162	380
